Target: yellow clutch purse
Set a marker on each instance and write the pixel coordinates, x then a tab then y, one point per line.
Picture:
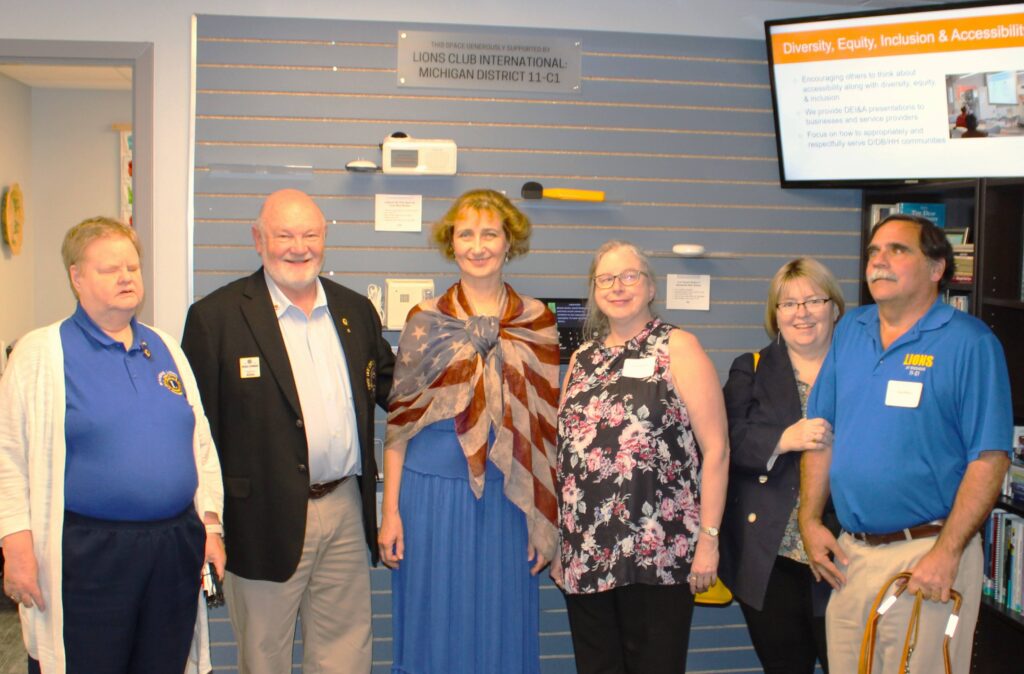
716	595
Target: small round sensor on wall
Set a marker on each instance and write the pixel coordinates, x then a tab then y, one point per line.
361	166
688	250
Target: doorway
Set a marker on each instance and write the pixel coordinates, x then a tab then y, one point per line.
138	57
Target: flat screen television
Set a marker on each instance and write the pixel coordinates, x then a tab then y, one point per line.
899	96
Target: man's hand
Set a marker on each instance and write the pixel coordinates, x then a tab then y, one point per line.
391	540
21	571
933	575
822	548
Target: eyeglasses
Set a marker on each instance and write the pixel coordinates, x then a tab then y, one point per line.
811	304
630	277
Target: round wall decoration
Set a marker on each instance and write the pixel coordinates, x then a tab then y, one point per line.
13	218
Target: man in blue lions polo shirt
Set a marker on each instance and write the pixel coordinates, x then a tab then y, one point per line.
919	397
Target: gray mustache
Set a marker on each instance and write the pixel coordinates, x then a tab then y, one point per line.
880	275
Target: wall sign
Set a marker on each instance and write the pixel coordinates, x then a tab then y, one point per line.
490	62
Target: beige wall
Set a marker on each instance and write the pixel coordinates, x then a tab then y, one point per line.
17	313
75	170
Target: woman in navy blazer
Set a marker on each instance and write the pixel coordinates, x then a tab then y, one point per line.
763	561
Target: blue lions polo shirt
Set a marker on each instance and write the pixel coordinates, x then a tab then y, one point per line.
908	419
128	426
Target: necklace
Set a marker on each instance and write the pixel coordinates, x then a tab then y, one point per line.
499	303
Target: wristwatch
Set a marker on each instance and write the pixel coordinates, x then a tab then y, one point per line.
710	531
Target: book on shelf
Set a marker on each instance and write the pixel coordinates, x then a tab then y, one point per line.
1003	541
957	301
963	263
1018	443
934	212
881	211
1015	569
1013	487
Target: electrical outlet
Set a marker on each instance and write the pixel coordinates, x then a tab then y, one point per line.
402	296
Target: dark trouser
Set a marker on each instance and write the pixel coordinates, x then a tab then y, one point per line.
130	595
787	636
636	629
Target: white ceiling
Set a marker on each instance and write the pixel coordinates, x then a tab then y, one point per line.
69	77
120	78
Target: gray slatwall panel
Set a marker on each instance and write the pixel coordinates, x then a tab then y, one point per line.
349	120
243	199
410	258
561	136
747	98
374	58
759	124
677	130
683	95
360	233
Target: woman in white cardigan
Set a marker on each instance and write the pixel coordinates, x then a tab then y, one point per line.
107	477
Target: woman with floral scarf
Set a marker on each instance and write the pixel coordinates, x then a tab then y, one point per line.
468	514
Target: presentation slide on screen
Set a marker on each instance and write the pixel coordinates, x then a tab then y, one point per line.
935	94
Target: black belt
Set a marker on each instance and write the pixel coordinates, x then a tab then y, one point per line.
920	531
323	489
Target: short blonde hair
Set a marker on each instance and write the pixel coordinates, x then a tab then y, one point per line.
81	235
595	326
800	268
516	226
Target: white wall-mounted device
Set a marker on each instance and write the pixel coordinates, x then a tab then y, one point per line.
402	296
419	156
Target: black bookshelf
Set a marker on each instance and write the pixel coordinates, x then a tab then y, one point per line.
1000	630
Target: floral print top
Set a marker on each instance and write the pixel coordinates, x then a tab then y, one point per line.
792	546
628	467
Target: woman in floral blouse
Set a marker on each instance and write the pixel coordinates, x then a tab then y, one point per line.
642	464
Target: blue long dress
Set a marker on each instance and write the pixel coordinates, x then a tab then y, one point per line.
463	599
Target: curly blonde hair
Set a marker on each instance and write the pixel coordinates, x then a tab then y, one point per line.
516	226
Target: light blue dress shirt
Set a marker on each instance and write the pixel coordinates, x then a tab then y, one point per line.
321	378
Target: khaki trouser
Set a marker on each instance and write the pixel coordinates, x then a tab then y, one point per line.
872	566
330	590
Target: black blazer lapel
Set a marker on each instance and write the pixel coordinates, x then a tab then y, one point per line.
778	377
260	315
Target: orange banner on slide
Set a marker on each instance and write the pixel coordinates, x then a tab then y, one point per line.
998	31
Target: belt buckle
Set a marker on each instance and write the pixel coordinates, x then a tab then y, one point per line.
317	491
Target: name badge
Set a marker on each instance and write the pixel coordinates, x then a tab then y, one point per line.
903	393
638	368
249	368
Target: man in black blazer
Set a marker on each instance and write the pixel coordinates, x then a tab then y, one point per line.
289	367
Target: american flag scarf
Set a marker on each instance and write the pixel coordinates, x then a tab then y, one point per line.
486	373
